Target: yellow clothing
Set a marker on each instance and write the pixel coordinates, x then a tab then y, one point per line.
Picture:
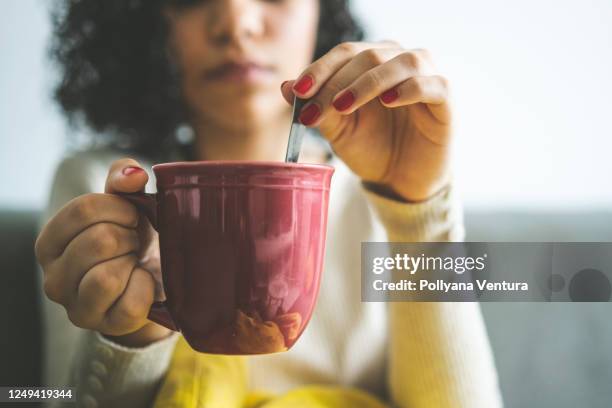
197	380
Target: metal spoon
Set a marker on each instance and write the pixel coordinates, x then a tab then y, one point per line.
296	134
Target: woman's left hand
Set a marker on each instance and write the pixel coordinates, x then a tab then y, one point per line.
386	113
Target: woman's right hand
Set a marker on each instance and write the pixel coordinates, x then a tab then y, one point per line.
94	252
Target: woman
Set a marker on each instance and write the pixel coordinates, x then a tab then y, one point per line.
141	72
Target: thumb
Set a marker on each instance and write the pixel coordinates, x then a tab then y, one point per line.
287	91
126	176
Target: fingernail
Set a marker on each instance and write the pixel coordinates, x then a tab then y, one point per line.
304	84
389	96
344	101
283	84
310	114
131	170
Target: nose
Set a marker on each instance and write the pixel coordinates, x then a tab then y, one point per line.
233	21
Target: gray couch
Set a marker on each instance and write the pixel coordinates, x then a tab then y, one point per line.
548	355
20	342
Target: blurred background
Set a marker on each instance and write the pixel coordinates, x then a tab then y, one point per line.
532	91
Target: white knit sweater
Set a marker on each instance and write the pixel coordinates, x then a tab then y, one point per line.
411	354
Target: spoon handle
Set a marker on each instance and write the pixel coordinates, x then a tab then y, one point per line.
296	134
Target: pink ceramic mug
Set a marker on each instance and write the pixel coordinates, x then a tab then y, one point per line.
242	247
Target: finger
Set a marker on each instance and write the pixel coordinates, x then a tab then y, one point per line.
320	106
287	91
130	311
78	215
316	75
97	244
431	90
126	176
99	290
377	80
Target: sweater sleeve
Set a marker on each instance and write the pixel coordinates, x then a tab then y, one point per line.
103	373
106	374
439	352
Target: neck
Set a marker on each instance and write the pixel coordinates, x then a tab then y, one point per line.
263	141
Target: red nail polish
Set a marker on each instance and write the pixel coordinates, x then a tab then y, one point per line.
345	101
131	170
310	114
389	96
304	84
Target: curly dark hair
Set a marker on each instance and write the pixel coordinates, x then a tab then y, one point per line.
116	74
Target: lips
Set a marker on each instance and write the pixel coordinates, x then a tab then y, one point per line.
241	72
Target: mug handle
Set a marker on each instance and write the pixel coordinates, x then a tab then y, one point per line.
146	203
